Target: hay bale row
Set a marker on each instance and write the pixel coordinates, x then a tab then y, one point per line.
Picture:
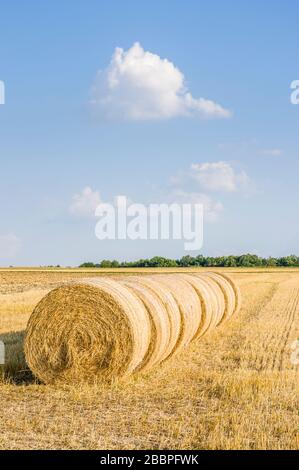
107	329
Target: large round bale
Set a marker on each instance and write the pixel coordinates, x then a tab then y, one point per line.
97	328
217	299
159	320
237	292
152	285
207	300
189	305
228	292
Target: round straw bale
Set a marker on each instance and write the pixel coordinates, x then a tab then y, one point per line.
236	289
159	319
217	297
97	328
228	293
189	305
204	293
171	308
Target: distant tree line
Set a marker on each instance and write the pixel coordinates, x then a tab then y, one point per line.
245	261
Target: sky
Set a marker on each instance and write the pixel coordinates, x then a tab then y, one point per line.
158	101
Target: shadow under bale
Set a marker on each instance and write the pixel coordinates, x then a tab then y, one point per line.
15	369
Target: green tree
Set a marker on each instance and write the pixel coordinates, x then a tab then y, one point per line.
105	263
114	264
88	264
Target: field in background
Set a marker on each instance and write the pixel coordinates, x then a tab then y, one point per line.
235	389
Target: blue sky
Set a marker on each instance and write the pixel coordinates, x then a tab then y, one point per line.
54	144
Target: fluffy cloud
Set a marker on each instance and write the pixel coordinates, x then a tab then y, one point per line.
9	246
218	176
198	183
140	85
85	203
211	208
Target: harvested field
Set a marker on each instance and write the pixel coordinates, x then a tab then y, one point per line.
236	388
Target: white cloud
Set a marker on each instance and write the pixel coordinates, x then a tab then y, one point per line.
9	245
140	85
202	179
85	203
211	208
218	176
272	152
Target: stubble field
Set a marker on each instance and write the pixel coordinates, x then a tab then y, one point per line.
235	389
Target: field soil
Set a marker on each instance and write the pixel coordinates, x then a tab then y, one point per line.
236	388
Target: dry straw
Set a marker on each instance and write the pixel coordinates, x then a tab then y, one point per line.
106	329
